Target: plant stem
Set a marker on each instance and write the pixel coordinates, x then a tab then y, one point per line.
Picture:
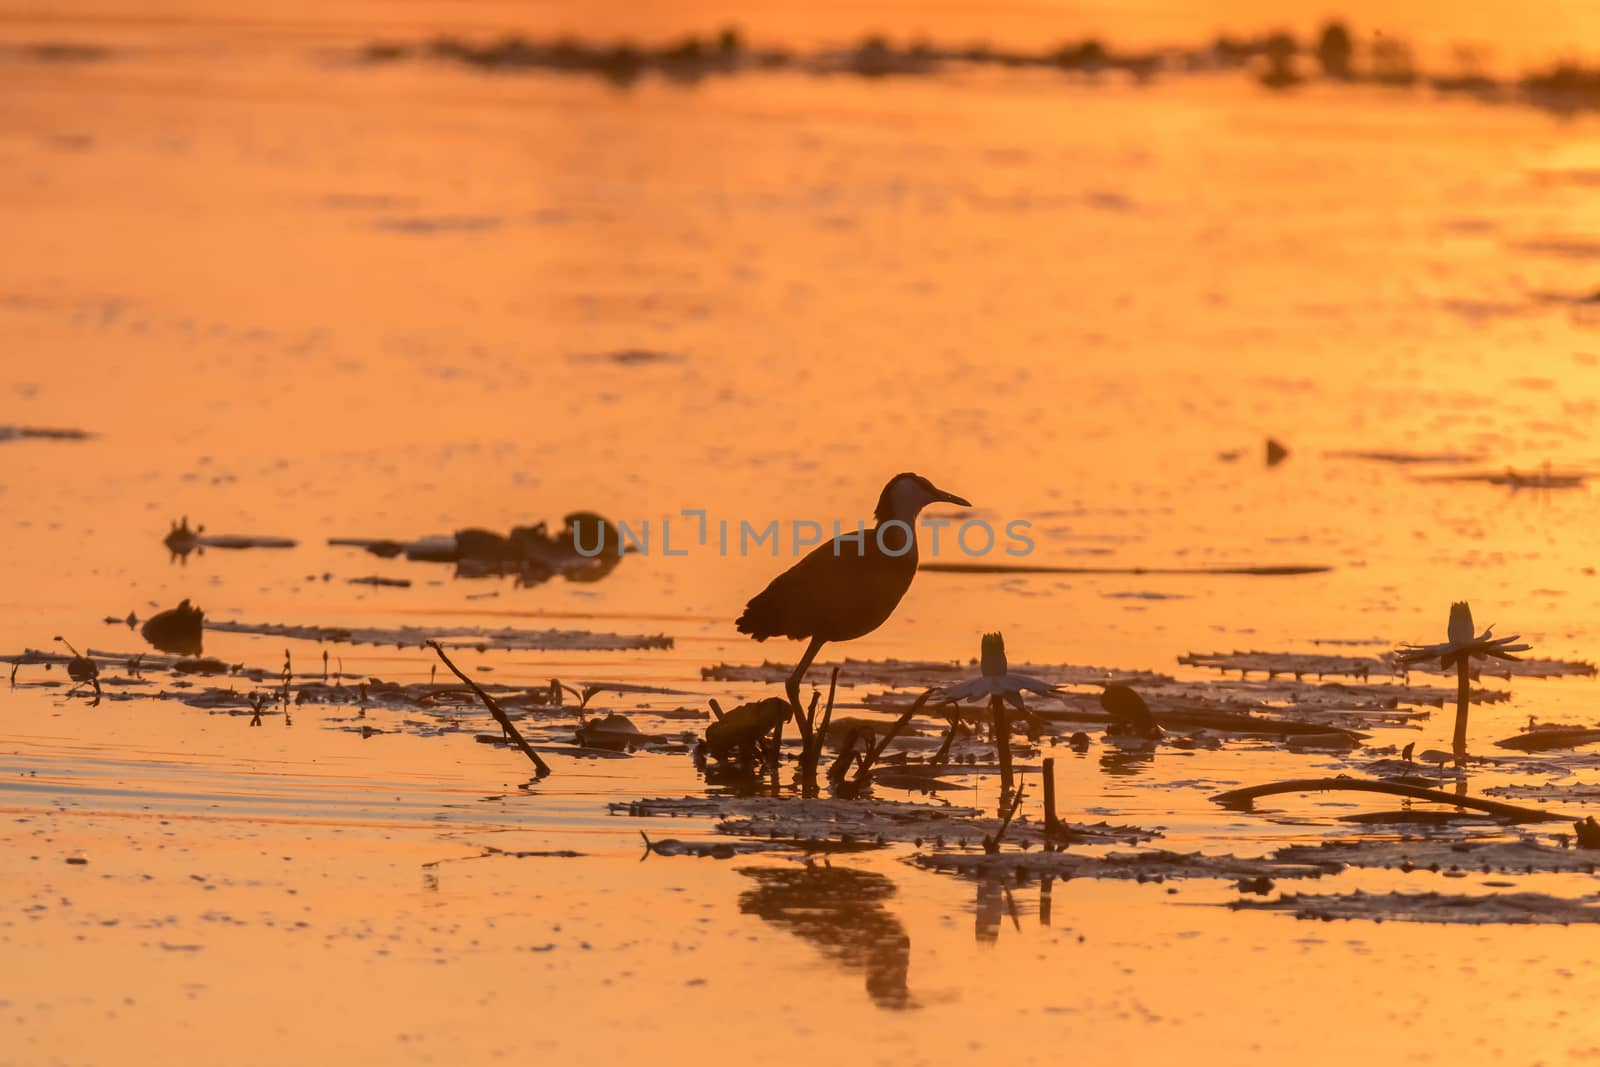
1002	744
1052	825
1462	693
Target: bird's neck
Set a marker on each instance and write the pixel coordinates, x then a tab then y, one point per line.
896	536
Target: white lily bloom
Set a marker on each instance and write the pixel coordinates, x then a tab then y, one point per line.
995	680
1462	644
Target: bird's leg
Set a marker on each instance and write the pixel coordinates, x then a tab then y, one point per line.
792	686
943	754
799	674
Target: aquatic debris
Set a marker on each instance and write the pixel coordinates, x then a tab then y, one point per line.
499	714
718	850
1516	480
1151	865
381	582
867	819
1574	791
615	732
1277	452
1436	855
739	732
176	630
1512	908
1588	833
1463	646
1300	665
629	357
1243	799
181	540
530	554
1272	664
504	639
36	433
1541	737
81	669
1130	715
1410	458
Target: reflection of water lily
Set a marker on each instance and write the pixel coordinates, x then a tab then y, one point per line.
1462	644
996	680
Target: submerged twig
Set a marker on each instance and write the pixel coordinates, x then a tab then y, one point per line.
494	709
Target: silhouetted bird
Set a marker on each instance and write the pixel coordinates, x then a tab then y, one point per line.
842	590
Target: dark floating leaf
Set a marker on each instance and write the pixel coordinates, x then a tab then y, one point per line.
1542	738
177	630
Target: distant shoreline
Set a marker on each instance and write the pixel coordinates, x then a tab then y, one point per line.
1277	61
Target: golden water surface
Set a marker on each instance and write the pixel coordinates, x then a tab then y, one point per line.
294	295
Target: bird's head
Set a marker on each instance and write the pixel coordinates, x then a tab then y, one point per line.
907	494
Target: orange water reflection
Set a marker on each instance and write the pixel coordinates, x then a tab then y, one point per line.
302	299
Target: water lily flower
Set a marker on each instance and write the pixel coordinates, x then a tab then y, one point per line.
995	679
1464	645
1000	686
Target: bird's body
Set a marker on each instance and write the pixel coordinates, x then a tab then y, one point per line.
846	588
833	597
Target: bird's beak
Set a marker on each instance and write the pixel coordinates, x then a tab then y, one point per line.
950	498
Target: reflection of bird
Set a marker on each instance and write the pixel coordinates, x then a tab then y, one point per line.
842	589
843	912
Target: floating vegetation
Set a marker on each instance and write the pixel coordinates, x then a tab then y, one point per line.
381	582
1517	480
58	52
1152	865
718	850
1279	61
530	554
1438	855
177	630
1542	737
866	819
1301	665
1517	908
629	357
38	433
1297	665
181	540
1442	459
502	640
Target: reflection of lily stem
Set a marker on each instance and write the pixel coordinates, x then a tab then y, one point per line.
991	845
1002	744
1462	693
